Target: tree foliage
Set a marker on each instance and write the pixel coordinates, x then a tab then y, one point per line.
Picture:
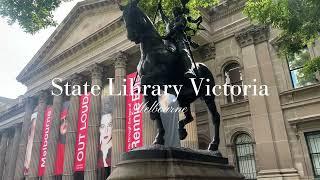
298	21
150	8
312	66
34	15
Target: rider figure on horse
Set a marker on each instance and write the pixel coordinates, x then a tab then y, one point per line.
177	39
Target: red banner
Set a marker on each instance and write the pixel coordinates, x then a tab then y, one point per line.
81	139
62	139
31	132
133	114
44	143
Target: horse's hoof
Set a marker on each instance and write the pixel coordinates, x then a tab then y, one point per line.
183	134
213	147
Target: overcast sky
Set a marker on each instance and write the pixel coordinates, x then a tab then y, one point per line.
17	48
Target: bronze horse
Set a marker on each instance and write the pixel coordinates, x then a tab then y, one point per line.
160	66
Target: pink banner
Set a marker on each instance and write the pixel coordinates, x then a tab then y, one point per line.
44	143
133	114
81	139
58	170
31	132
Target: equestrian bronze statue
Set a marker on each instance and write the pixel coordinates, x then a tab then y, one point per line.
162	65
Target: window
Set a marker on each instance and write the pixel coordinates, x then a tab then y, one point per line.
296	62
245	156
233	77
313	142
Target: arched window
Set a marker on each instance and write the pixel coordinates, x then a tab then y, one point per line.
233	77
245	156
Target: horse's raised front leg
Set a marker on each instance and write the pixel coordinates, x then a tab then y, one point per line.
182	123
150	99
214	145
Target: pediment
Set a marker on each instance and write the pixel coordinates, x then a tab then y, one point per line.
84	20
86	24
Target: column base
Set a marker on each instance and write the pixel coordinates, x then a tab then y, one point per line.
278	174
167	163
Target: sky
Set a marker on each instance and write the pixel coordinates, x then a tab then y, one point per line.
17	48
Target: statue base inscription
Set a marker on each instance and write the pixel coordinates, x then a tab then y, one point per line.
161	163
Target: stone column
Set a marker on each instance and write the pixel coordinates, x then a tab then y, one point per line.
119	111
35	155
14	153
259	113
277	121
72	120
272	145
93	125
53	136
29	106
3	150
8	153
191	140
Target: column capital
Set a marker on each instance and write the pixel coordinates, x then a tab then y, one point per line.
43	96
96	71
207	51
29	100
120	60
17	126
76	79
11	130
4	133
252	35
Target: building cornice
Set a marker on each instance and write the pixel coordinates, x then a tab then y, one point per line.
12	111
80	8
225	8
207	51
304	119
252	35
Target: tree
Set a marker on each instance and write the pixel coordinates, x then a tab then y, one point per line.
34	15
298	21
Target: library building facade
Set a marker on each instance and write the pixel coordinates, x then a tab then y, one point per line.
47	134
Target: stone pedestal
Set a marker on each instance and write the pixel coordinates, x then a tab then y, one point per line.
162	163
